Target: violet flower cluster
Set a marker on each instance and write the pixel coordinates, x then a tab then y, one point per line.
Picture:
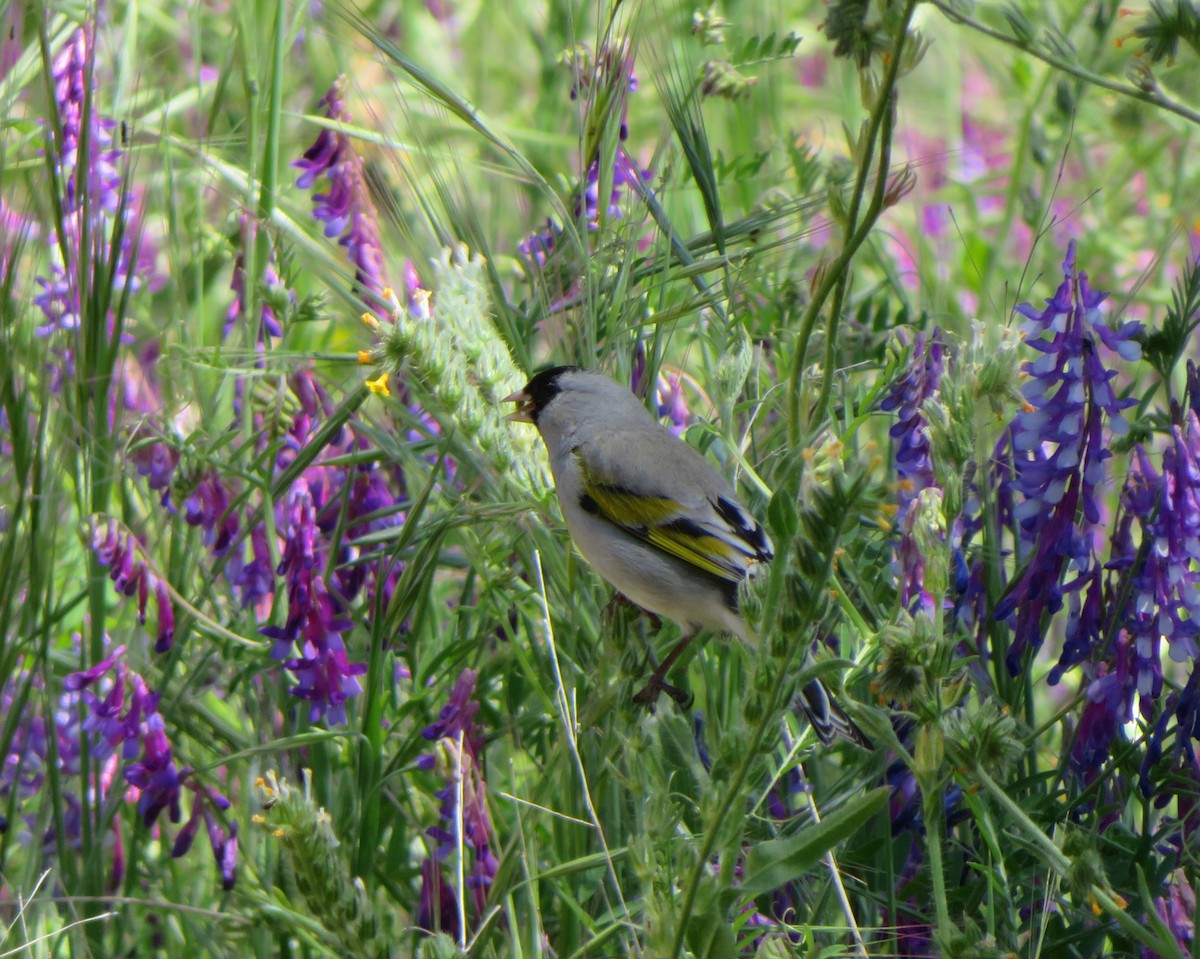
669	396
609	75
117	550
112	708
1165	604
460	744
345	208
1059	449
96	209
321	578
137	728
912	457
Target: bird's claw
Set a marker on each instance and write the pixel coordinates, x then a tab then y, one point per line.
656	685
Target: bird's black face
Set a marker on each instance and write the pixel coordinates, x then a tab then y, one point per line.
536	394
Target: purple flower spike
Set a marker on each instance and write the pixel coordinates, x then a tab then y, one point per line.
1166	590
346	208
72	73
157	461
457	718
118	550
225	849
914	463
1060	446
1177	910
458	715
269	325
92	187
672	403
156	775
325	676
1109	706
87	677
208	508
438	909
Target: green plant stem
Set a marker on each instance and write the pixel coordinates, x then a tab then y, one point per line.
836	279
1057	861
711	828
1153	97
935	831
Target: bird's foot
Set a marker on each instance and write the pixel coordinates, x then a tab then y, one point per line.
620	600
648	697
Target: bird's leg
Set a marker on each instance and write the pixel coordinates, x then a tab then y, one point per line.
620	599
657	683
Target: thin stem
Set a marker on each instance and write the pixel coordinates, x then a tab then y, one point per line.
1057	861
1154	97
836	277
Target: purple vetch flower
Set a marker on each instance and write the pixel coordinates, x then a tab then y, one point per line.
1059	451
464	770
117	549
136	725
1175	546
625	173
1165	601
94	200
209	507
914	464
438	907
606	79
254	578
539	247
913	461
325	677
156	461
315	623
269	322
225	850
672	404
1177	909
73	73
206	804
155	774
1109	706
346	209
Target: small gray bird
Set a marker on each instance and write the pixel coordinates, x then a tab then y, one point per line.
654	518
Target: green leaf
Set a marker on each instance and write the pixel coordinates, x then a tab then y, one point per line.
782	518
771	864
708	933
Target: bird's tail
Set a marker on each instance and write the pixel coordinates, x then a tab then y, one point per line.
829	720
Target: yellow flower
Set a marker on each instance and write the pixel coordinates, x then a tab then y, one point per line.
379	385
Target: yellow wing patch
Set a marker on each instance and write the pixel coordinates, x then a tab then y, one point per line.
657	520
699	549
